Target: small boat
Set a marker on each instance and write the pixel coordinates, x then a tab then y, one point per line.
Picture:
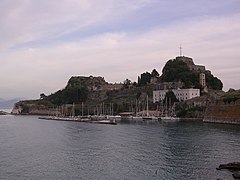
170	119
111	122
150	118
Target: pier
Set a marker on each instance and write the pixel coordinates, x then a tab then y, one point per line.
80	119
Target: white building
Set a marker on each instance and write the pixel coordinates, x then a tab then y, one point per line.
181	94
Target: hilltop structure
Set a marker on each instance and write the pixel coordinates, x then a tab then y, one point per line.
190	64
93	83
182	90
178	71
196	68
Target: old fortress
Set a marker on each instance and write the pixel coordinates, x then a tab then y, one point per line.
182	94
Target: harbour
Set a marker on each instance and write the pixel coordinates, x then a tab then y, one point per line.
71	150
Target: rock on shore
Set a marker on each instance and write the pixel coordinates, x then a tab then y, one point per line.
233	166
236	175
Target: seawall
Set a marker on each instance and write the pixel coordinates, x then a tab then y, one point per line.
228	114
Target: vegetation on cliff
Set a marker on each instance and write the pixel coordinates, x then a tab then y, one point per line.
213	82
78	90
69	95
175	71
145	78
95	94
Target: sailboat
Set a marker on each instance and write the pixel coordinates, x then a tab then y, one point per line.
169	115
148	117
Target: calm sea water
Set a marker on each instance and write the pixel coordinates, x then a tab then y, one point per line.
38	149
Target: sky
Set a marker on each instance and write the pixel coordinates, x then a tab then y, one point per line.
44	43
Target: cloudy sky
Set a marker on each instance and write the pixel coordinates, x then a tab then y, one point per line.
44	43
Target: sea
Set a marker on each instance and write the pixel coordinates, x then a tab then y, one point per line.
31	148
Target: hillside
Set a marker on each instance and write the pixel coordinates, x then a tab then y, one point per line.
184	70
93	94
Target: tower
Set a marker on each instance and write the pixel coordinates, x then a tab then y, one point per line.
202	80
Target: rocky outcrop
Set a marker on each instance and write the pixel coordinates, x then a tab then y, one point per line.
3	113
236	175
34	108
93	83
234	167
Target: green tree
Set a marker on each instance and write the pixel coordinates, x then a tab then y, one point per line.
213	82
138	95
174	71
144	79
42	96
127	83
69	95
170	98
154	73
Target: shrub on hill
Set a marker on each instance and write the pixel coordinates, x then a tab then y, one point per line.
69	95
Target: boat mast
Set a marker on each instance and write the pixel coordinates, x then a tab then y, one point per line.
82	108
147	106
166	104
73	110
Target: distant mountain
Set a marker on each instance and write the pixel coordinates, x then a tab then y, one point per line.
6	104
